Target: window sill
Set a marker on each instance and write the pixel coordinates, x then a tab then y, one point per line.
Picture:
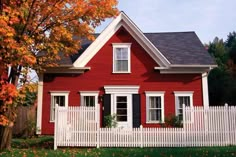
121	72
154	122
51	121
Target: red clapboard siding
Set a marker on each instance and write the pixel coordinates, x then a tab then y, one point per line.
142	74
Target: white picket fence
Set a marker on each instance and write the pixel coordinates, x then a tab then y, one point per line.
80	126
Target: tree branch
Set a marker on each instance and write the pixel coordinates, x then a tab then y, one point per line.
28	17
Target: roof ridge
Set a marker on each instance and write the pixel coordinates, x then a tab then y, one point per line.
168	32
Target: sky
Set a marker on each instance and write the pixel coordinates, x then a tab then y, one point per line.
208	18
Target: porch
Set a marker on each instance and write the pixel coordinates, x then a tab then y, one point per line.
80	127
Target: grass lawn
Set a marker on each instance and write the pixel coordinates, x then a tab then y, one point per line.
43	146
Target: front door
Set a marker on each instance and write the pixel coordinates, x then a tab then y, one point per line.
122	108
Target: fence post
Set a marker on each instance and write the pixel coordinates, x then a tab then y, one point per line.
141	131
227	124
55	126
184	125
97	111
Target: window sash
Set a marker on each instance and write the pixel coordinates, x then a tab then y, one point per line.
89	101
60	100
121	108
121	54
121	58
155	109
121	65
182	100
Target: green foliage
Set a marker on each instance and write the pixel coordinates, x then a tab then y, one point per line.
231	39
43	146
30	127
110	121
221	80
218	51
232	52
172	121
30	97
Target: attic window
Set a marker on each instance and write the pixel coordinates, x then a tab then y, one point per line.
121	58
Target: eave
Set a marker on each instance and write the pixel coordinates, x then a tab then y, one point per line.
66	69
185	69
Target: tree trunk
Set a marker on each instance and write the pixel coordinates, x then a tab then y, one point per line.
6	137
6	131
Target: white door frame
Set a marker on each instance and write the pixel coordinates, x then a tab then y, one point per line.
122	90
129	122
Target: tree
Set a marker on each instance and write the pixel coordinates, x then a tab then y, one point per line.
222	82
231	47
46	27
218	51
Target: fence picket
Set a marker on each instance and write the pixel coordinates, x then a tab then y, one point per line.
80	126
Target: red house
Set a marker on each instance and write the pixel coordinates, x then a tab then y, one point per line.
140	77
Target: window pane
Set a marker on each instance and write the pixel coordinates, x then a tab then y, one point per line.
180	117
180	111
121	99
89	101
121	59
187	101
121	118
184	100
155	115
56	100
121	105
121	54
122	65
121	108
59	100
155	102
122	112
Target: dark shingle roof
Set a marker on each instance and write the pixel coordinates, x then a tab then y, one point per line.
182	48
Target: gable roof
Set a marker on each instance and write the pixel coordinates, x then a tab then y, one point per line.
121	21
169	50
180	48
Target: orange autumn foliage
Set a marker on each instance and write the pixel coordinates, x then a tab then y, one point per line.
33	32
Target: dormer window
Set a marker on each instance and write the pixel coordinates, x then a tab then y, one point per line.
121	57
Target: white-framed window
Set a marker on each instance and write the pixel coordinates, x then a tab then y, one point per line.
183	98
59	98
121	57
89	98
155	107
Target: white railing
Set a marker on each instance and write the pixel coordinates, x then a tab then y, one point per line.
80	126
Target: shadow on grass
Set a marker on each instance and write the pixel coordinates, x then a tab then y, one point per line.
45	142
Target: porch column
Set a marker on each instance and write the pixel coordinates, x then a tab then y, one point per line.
205	90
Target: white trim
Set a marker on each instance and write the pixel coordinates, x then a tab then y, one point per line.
39	105
182	70
194	65
58	93
121	20
125	45
129	122
155	94
205	93
148	46
92	93
122	89
89	93
122	45
161	68
183	94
